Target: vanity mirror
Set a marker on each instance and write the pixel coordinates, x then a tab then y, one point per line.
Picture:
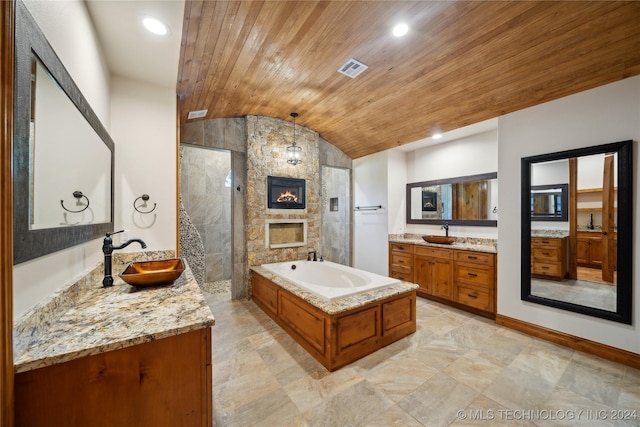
62	155
582	263
464	200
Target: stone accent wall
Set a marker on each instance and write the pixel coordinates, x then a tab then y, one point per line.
267	140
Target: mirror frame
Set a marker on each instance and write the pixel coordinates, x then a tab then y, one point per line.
455	180
28	243
564	200
625	231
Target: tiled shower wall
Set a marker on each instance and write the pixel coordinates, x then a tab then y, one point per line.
205	186
336	214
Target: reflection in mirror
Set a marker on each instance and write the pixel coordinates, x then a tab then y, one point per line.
467	200
549	202
59	148
581	263
84	164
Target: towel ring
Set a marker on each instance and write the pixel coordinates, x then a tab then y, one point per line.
78	195
144	197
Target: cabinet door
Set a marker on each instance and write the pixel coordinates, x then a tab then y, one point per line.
595	252
423	273
441	278
582	251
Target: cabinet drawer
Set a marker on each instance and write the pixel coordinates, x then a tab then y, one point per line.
434	252
401	268
401	247
401	259
474	274
473	297
407	276
546	241
546	268
545	253
475	257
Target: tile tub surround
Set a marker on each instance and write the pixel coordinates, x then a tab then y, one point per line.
465	243
342	304
95	320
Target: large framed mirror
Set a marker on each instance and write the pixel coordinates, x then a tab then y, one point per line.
581	264
62	155
464	200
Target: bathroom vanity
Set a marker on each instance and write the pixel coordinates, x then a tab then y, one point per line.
118	356
462	274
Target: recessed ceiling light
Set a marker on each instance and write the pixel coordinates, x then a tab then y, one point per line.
436	136
400	30
155	26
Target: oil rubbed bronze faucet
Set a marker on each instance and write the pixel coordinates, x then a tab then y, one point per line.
446	228
107	250
315	256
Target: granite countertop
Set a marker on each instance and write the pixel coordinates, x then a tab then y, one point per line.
550	233
464	243
342	304
105	319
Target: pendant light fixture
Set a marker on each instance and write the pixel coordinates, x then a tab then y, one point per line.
294	152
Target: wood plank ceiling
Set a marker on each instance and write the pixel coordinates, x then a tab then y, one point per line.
461	63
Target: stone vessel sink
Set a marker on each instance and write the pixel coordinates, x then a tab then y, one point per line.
152	273
442	240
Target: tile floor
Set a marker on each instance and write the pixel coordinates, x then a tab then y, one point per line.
457	369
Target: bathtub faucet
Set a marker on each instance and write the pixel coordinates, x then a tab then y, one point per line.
315	256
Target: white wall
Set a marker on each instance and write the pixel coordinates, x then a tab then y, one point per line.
69	30
473	155
67	26
396	190
144	129
605	114
371	232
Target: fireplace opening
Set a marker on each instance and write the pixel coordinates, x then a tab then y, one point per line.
285	193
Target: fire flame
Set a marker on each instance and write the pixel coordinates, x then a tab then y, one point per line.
287	197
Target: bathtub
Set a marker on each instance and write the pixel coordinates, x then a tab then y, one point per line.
328	280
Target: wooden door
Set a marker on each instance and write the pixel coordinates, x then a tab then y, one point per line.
608	220
7	17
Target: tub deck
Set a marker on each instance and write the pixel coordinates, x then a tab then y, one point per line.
339	337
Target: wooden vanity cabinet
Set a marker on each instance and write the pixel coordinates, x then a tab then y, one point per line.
461	278
401	261
158	383
549	257
475	279
433	271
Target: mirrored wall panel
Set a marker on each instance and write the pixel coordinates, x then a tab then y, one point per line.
577	228
470	200
62	155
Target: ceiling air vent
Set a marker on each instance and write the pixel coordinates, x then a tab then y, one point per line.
196	114
352	68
